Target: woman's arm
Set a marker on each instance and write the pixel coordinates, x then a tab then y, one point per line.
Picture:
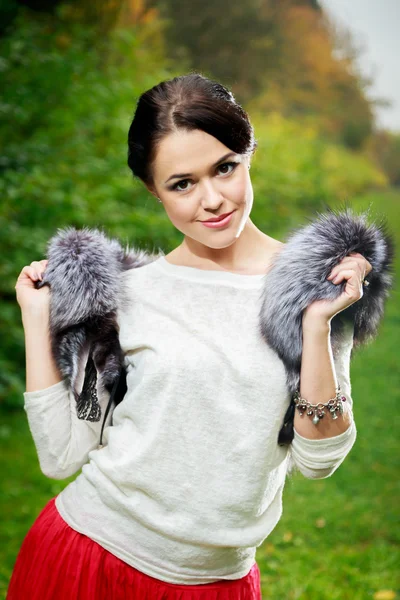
319	450
41	369
62	441
318	381
318	454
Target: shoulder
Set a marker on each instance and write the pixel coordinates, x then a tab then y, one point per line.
271	253
137	271
136	282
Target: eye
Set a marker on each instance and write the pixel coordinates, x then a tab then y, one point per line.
230	164
178	183
175	186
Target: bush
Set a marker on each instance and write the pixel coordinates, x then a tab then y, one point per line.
67	104
295	172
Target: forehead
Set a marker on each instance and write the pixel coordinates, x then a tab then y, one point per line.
186	152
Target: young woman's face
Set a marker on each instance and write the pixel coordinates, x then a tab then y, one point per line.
208	184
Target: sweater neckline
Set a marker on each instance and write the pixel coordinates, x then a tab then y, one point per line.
208	275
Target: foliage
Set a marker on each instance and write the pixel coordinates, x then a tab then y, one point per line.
66	110
101	15
384	149
295	172
289	60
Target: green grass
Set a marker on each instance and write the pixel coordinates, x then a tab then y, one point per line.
338	538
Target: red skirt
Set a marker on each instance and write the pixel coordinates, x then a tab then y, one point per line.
55	562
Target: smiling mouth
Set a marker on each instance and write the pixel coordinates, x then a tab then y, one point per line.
220	218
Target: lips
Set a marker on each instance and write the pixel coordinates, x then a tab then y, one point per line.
216	219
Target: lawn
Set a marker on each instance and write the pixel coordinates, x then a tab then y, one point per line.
338	537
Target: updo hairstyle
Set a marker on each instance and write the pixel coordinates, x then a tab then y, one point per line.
186	102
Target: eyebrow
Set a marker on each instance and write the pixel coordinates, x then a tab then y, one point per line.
179	175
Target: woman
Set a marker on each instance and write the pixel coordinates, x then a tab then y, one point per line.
191	479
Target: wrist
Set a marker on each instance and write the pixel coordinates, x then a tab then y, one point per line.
316	323
35	316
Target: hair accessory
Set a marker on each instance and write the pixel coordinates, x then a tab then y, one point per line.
333	405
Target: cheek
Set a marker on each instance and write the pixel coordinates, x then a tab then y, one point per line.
240	190
179	212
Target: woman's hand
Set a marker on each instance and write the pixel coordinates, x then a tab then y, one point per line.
352	269
30	299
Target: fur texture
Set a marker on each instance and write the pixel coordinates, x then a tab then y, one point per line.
83	271
298	278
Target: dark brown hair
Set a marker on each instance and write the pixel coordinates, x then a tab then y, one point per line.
185	102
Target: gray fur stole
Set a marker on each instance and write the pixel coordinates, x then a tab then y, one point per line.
84	266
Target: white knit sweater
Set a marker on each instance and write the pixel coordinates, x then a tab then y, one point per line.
190	479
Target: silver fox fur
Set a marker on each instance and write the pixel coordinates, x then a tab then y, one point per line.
84	265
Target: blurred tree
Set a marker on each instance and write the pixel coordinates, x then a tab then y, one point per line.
135	12
8	12
67	99
384	149
231	42
277	55
284	55
101	14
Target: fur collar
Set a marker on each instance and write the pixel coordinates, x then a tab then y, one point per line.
84	265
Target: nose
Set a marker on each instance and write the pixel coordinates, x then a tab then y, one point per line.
210	195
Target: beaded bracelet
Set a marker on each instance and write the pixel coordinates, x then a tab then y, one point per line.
333	405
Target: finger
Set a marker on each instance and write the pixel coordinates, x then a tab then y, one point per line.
29	272
368	269
37	264
365	267
368	266
350	276
39	267
353	289
349	264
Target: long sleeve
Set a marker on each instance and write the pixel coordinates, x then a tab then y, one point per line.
319	458
62	441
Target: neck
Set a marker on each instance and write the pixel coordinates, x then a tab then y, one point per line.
248	248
